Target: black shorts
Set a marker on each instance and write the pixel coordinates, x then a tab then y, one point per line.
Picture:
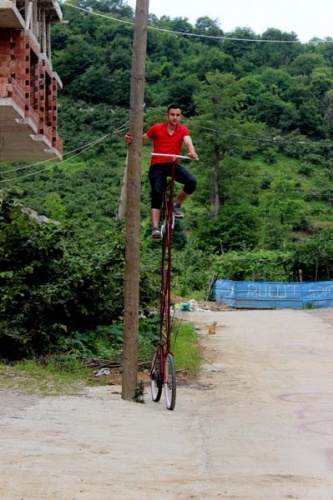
158	175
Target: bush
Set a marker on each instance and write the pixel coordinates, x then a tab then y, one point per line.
53	288
261	265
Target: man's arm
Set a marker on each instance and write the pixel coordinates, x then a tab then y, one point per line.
190	148
129	139
145	139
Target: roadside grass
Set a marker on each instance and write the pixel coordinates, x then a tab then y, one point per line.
53	378
186	348
68	376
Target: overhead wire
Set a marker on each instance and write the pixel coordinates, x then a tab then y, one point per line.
254	138
50	166
250	137
189	34
77	152
241	136
93	143
16	169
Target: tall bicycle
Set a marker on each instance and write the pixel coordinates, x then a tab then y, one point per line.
163	371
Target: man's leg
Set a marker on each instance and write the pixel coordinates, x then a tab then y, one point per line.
155	220
155	217
182	197
157	177
189	182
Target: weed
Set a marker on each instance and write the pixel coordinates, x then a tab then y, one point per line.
185	347
139	393
310	305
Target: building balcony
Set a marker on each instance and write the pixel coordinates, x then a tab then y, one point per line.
15	14
20	137
10	16
28	85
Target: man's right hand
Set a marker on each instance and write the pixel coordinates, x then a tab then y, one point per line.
128	138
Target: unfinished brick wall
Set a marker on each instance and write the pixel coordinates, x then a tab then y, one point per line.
26	76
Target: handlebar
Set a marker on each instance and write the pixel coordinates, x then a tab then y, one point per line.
173	156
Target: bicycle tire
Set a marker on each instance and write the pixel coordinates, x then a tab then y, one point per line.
156	377
170	382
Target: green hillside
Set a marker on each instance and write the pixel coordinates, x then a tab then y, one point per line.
260	109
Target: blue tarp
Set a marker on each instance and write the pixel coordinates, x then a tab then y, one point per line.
273	295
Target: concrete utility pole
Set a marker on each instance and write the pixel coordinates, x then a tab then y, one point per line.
132	254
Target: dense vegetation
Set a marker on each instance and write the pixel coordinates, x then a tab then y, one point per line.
260	111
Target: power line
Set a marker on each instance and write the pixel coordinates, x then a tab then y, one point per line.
46	161
198	35
251	137
269	140
77	152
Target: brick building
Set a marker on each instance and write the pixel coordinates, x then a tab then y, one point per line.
28	85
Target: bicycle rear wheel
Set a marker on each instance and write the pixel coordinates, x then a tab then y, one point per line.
156	376
170	382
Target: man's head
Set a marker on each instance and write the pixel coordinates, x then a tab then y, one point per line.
174	114
174	105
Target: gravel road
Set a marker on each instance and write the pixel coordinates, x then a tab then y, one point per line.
256	424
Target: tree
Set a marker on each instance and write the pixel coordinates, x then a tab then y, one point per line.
55	207
328	110
209	28
220	125
285	212
235	228
212	59
242	53
304	64
278	55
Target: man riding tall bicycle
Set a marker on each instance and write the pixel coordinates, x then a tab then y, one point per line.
168	138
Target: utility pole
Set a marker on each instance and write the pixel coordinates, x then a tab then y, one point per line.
132	253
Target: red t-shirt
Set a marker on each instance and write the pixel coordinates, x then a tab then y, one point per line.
166	143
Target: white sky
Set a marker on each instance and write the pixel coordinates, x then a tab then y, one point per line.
306	18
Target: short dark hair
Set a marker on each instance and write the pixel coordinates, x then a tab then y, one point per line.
174	105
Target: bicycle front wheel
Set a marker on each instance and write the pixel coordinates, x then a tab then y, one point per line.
156	376
170	382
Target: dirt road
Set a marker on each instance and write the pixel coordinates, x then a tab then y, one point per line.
258	424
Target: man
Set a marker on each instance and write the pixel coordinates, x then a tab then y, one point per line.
168	138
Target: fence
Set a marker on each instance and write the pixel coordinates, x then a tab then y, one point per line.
273	295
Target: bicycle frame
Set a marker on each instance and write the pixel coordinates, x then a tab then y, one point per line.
165	318
163	372
163	357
